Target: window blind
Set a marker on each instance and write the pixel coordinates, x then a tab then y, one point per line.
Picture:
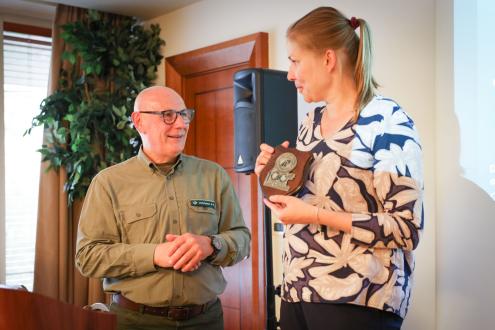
26	70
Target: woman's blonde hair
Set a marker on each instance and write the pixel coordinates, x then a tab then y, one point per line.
327	28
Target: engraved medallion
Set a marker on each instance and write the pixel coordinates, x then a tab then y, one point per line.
285	172
281	173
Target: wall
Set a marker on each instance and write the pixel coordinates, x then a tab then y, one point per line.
465	212
404	41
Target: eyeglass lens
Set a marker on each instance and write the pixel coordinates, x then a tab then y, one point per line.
171	115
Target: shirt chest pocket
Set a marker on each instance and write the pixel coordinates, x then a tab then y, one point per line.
139	223
202	218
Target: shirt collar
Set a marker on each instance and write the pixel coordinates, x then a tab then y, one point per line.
152	166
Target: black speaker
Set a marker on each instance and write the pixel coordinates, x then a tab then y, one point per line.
265	111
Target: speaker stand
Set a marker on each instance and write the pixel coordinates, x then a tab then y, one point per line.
271	318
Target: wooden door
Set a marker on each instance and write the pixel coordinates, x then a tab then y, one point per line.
204	78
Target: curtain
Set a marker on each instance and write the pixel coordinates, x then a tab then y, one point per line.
55	274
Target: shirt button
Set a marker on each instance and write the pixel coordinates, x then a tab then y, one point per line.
175	221
138	214
171	198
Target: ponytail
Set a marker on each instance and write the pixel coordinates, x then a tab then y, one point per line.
365	83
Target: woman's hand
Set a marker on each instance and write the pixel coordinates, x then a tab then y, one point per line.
290	210
265	155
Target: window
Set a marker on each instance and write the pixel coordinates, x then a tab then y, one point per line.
26	62
474	90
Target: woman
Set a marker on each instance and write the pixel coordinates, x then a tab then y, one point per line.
351	231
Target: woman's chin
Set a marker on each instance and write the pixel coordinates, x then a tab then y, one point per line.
311	98
307	98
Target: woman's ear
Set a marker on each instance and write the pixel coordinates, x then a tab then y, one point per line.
330	58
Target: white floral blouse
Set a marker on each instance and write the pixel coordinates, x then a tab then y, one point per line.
371	168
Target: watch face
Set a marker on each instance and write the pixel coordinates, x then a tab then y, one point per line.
217	244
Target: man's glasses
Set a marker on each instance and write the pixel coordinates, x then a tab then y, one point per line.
170	116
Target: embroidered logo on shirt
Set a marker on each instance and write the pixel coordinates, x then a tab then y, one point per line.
203	203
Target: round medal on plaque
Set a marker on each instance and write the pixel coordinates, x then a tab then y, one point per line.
285	172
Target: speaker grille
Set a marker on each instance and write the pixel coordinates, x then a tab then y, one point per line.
265	110
246	140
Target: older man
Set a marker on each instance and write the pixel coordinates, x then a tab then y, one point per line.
158	226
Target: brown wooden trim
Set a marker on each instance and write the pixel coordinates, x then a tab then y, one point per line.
229	53
259	57
29	41
27	29
173	79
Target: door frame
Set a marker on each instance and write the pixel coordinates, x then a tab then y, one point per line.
251	51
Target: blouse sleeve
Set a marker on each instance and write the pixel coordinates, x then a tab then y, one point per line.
398	183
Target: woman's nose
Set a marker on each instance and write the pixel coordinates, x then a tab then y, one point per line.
290	75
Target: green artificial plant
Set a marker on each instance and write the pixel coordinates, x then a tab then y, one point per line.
111	58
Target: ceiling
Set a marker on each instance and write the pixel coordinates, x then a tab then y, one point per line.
43	9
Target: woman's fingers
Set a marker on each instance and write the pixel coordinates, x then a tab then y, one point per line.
263	157
266	152
267	148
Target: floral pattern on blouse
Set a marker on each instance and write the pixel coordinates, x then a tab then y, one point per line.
371	168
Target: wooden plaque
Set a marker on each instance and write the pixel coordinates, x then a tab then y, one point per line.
285	172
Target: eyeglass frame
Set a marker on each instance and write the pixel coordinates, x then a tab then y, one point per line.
176	112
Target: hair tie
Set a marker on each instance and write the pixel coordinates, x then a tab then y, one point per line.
354	22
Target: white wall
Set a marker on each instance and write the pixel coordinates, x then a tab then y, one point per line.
404	41
465	212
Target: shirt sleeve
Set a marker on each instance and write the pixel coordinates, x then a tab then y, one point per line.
99	250
232	231
398	184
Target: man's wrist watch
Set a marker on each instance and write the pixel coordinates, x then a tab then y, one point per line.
216	244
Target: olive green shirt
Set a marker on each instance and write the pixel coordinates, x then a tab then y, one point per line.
128	210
